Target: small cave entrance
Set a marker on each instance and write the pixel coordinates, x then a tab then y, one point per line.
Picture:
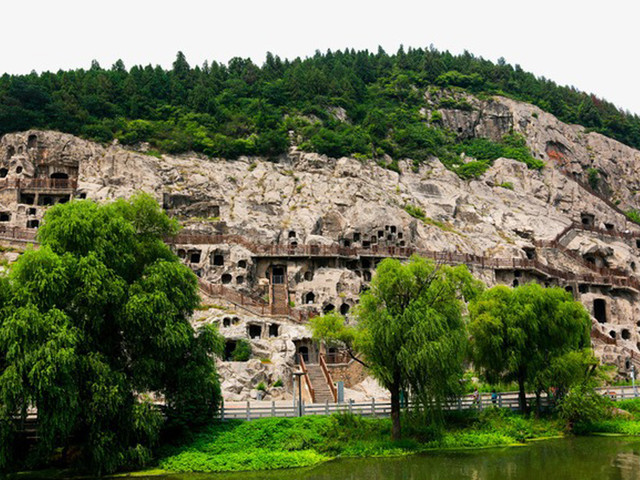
609	226
329	307
366	263
3	172
344	308
309	298
32	142
612	334
600	310
59	176
274	330
239	279
194	256
515	283
625	334
569	289
11	151
255	331
5	217
226	278
229	347
277	275
33	223
583	288
346	242
226	322
356	236
242	264
366	275
217	260
530	253
308	275
18	170
303	351
27	198
292	234
587	219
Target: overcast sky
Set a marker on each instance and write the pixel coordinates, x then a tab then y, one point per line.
590	45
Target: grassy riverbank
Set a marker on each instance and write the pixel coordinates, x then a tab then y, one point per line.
286	443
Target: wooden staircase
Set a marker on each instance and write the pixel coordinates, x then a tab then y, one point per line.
279	298
319	381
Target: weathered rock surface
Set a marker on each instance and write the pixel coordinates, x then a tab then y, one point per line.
310	199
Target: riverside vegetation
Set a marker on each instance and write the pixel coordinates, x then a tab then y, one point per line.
96	318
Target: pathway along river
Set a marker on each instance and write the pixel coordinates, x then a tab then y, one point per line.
584	458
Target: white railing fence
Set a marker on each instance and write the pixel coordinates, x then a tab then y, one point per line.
373	408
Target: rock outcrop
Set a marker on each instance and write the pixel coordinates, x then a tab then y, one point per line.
260	217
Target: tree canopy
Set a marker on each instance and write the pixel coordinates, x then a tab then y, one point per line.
538	337
410	330
91	323
349	102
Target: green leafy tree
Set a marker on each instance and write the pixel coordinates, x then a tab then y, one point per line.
527	334
92	322
410	332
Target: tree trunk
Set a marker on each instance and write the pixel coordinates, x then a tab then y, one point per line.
538	406
395	411
522	394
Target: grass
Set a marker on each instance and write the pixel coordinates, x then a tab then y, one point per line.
274	443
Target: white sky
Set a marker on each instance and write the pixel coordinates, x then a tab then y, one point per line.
588	44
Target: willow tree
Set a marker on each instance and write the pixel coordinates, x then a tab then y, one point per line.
409	331
535	336
91	322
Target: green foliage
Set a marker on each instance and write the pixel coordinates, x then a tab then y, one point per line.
415	212
633	215
593	175
92	320
272	443
485	151
278	383
507	185
261	387
242	351
536	336
583	405
410	330
246	109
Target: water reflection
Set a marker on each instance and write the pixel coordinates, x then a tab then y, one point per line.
583	458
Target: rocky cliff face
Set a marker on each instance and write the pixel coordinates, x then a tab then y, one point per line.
304	200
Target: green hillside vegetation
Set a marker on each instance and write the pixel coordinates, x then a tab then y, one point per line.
357	103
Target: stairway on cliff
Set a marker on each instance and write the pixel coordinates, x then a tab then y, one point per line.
322	391
279	299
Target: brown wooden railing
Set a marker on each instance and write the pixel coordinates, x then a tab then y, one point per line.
252	303
307	380
327	376
601	276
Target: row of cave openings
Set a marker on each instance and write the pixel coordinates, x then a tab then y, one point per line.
389	234
310	298
254	330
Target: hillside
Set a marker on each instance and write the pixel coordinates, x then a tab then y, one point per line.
343	103
275	240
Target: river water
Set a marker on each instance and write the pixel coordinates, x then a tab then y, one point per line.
582	458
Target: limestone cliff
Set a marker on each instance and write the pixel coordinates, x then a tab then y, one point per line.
307	231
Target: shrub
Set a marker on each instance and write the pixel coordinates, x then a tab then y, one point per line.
593	176
261	387
473	169
584	405
242	352
278	383
633	215
415	212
